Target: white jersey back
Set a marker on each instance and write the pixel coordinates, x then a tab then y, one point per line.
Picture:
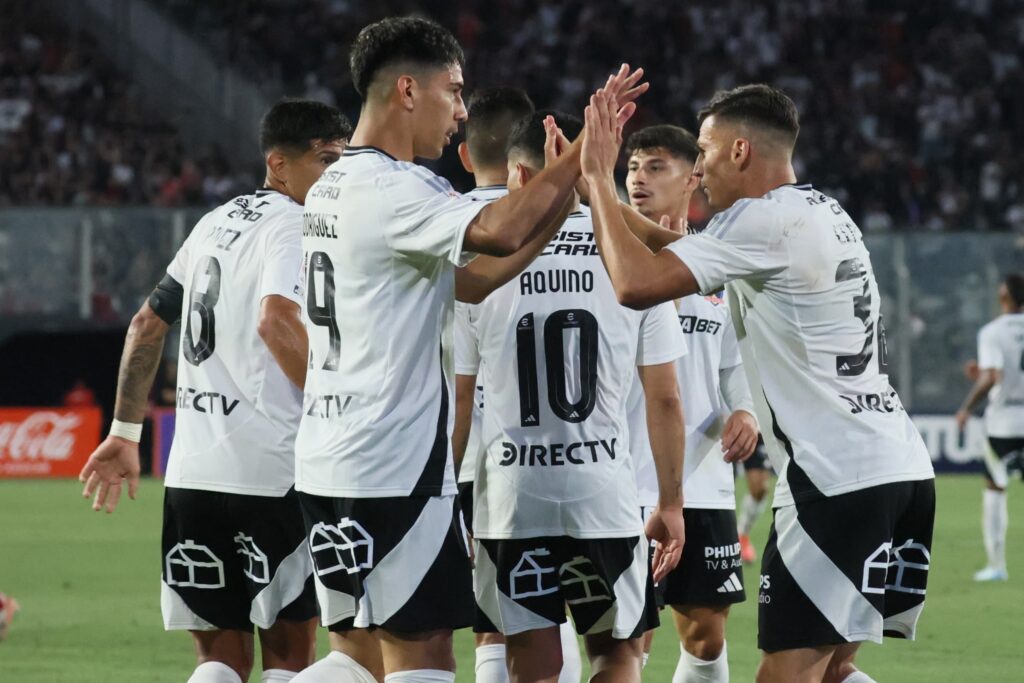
707	478
1001	347
381	239
237	413
470	355
558	355
806	310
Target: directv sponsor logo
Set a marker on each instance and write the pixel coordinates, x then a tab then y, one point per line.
205	401
557	454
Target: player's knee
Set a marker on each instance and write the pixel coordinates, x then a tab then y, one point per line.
706	647
992	486
289	645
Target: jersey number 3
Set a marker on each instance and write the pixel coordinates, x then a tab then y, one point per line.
855	364
204	292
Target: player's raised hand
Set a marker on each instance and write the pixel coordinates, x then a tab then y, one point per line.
114	461
739	437
625	87
666	528
555	142
602	137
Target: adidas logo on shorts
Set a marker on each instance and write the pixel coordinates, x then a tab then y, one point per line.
731	585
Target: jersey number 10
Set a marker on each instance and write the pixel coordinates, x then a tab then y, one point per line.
554	360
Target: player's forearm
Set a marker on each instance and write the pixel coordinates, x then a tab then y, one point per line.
285	337
485	274
735	389
986	380
668	444
626	259
515	218
647	231
143	346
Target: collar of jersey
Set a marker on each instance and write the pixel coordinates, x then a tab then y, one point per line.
353	150
795	186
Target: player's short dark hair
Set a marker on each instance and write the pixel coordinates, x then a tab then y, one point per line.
292	124
1015	286
677	141
398	40
757	105
492	114
527	136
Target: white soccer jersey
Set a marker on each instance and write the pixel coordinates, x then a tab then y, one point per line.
558	355
1001	347
806	310
237	412
381	239
707	478
468	355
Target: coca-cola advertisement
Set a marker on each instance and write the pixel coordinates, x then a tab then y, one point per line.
47	442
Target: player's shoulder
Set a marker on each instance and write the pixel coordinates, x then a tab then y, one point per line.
994	328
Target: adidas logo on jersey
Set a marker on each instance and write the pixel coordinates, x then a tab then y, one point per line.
731	585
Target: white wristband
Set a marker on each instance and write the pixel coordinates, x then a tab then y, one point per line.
126	430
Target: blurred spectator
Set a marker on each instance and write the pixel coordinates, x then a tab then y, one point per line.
907	106
73	131
79	396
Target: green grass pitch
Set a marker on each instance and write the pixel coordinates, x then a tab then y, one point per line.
88	584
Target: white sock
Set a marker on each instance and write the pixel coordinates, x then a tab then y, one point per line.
490	664
572	666
647	656
994	520
214	672
858	677
750	510
421	676
690	669
336	667
277	676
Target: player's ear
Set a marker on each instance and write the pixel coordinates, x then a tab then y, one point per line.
740	152
523	174
404	87
277	166
467	163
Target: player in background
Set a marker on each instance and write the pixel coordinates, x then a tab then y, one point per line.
718	412
233	537
758	472
492	113
1001	379
387	248
555	509
849	552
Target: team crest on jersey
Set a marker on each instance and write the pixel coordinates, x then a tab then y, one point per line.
715	299
257	567
345	546
903	569
191	565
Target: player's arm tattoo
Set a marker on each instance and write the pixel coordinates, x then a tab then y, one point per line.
143	346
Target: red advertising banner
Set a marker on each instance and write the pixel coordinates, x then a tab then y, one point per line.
47	442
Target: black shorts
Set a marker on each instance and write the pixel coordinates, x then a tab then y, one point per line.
231	561
397	563
759	459
526	584
847	568
1003	457
466	503
710	572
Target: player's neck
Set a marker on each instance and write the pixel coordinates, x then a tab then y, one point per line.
771	177
270	183
490	177
382	128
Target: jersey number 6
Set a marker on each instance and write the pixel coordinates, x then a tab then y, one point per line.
203	294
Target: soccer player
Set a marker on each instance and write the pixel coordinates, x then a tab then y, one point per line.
382	239
849	552
1001	379
718	412
758	473
233	536
555	512
492	113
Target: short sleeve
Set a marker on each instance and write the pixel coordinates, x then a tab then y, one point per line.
744	241
282	257
730	347
467	345
178	267
989	355
661	338
428	217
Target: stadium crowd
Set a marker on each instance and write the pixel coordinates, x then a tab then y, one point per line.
73	130
915	105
